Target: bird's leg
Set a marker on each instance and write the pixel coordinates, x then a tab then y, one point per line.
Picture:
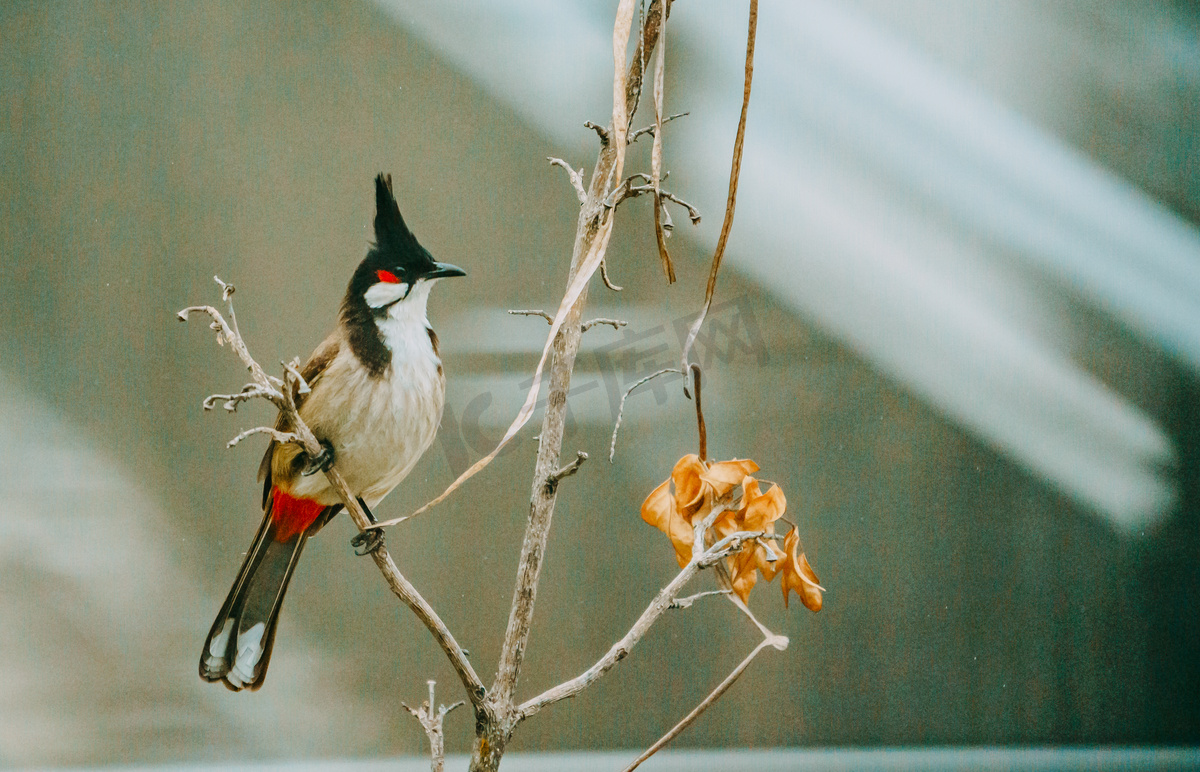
322	462
366	542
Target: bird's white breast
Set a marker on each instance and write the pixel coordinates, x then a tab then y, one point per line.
381	426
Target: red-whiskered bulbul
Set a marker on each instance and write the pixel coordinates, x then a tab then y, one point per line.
377	390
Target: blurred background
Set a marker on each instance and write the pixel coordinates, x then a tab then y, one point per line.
959	325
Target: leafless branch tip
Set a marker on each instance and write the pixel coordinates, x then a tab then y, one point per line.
576	177
532	312
650	129
589	324
278	436
601	132
612	446
566	471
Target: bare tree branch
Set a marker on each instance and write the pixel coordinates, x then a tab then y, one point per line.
584	327
593	230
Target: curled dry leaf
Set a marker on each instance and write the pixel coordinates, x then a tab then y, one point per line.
798	575
659	510
687	498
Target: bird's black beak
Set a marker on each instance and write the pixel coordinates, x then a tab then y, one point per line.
444	270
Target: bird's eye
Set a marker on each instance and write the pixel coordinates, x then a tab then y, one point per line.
387	276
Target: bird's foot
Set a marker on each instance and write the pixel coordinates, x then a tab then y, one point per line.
322	462
366	542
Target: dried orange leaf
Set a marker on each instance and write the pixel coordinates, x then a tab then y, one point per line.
689	490
682	536
724	476
798	575
728	522
744	573
659	511
763	510
810	594
770	567
659	506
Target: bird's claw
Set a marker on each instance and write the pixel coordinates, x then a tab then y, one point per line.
366	542
322	462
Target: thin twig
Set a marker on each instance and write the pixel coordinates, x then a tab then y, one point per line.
278	436
616	323
589	324
532	312
249	391
293	369
731	199
401	587
576	177
612	445
693	212
627	189
651	128
709	700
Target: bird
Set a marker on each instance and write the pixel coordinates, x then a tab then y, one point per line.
375	399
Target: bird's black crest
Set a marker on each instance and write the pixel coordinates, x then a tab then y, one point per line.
395	244
391	234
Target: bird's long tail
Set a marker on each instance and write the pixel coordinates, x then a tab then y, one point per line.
238	647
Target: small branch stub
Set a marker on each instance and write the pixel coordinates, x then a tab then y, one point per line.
616	324
554	479
576	177
532	312
601	132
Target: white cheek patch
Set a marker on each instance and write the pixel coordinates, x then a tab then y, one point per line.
385	293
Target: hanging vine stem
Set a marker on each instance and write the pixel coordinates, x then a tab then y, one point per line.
731	200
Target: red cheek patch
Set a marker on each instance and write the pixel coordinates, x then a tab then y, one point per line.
387	276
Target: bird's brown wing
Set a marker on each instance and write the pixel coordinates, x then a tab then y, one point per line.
312	371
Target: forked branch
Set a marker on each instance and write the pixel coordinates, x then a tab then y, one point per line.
702	557
431	721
